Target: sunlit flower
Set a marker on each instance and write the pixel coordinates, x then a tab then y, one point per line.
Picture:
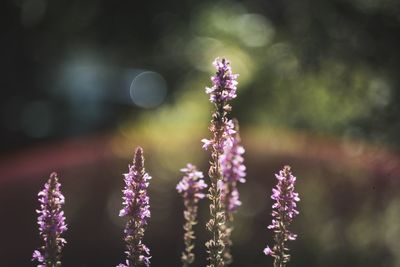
222	129
51	223
224	82
191	188
137	209
192	184
283	211
233	172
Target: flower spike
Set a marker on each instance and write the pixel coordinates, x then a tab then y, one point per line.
233	172
222	91
137	209
283	211
191	188
52	224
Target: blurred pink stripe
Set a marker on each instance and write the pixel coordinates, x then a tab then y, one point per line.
42	159
332	151
54	156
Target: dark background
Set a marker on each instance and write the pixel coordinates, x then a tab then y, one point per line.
318	89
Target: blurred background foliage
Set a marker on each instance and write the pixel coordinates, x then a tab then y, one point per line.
84	82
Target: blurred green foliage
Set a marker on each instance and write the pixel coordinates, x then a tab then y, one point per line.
318	89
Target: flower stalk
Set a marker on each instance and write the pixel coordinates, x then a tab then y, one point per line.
283	212
191	188
233	172
51	221
222	91
137	209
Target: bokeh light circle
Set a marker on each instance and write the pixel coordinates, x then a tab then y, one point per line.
148	89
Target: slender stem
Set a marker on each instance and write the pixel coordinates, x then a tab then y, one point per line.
217	220
222	91
190	215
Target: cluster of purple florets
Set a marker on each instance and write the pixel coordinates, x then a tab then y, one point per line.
222	91
226	170
51	223
224	82
191	188
226	139
233	172
136	208
283	211
192	185
136	200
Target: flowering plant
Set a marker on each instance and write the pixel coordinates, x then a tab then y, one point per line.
137	210
51	223
226	171
284	210
222	130
191	188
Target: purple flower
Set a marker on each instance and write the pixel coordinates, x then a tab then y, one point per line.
233	171
268	251
192	184
136	209
283	211
191	188
225	139
224	82
51	221
222	91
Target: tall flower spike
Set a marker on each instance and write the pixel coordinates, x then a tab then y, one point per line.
283	212
233	171
222	91
52	225
136	209
191	188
